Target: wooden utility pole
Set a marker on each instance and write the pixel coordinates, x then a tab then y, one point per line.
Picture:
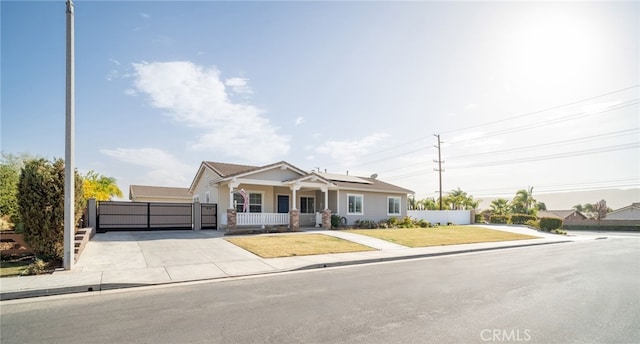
439	169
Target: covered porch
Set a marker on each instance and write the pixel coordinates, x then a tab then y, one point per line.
293	203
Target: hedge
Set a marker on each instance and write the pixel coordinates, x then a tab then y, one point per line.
521	219
549	223
499	219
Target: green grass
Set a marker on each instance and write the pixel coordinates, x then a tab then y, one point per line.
274	246
8	269
438	236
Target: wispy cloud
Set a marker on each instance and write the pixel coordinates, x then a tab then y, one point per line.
196	97
163	168
471	106
299	120
145	15
239	85
349	151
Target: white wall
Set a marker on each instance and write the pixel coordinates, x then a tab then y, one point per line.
458	217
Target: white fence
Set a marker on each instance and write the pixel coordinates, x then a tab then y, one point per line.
458	217
260	219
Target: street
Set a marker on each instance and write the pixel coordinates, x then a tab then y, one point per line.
580	292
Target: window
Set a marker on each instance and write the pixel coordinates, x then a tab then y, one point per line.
307	205
393	205
355	204
255	202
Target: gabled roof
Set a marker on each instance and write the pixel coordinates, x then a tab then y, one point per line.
633	206
562	214
158	192
226	170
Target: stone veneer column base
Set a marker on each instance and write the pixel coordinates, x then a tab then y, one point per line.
294	220
326	219
232	219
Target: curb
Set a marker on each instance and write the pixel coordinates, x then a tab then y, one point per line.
100	287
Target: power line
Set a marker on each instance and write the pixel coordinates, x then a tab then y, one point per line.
544	110
410	142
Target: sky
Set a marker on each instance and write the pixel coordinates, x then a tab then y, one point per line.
540	94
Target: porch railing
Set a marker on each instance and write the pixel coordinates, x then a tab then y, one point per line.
259	219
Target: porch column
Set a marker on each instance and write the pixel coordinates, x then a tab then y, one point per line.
294	188
326	197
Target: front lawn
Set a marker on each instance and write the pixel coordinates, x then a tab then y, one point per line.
274	246
438	236
8	269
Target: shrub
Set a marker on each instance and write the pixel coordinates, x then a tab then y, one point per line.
41	205
479	218
423	224
335	221
499	219
366	224
533	224
520	219
407	222
38	267
559	231
393	222
549	223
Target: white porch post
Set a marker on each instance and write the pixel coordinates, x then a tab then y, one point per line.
294	188
326	197
232	186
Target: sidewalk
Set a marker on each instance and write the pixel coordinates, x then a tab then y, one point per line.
128	259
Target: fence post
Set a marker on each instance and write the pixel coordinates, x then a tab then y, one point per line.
197	216
91	213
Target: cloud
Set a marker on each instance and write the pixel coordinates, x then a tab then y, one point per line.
164	169
145	15
470	107
299	120
348	152
239	85
114	61
196	97
130	92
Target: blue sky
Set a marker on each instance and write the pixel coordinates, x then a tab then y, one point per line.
523	94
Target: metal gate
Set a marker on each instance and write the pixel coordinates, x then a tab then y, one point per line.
209	216
132	216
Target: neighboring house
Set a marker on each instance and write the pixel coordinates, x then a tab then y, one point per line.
145	193
282	194
630	212
565	215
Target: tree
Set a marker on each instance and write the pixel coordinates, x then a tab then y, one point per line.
10	165
426	204
100	187
500	206
41	205
600	209
459	200
540	206
523	202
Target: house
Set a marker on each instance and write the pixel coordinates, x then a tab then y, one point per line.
282	194
630	212
145	193
565	215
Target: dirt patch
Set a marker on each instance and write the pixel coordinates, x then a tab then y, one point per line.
12	244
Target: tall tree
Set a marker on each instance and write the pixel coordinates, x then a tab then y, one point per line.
100	187
600	209
523	202
10	166
41	204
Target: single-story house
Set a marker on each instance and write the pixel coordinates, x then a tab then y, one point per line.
565	215
283	194
145	193
630	212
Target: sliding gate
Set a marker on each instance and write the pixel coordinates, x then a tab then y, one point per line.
133	216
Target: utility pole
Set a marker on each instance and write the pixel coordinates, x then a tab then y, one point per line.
439	169
69	171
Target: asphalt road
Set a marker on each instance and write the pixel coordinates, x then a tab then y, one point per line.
583	292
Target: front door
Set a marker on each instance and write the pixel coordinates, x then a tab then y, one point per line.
283	204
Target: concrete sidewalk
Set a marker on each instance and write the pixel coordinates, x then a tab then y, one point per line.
127	259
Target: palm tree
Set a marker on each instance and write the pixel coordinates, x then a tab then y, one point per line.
100	187
500	206
524	202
